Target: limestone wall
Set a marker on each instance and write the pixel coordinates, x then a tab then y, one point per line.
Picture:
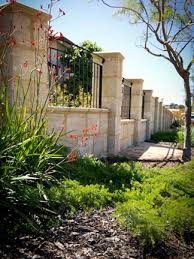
74	121
113	132
27	55
127	133
142	136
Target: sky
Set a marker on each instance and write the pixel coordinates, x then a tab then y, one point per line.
91	20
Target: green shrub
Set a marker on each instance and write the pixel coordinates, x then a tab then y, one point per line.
162	205
71	196
28	161
117	176
167	136
180	134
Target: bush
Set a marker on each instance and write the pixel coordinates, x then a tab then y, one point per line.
167	136
70	196
117	176
180	134
161	206
176	124
28	162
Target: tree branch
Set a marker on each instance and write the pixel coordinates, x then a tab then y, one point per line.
189	66
132	10
189	41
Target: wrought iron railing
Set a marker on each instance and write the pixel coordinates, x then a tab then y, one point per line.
126	101
74	80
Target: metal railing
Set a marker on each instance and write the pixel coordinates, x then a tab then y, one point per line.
126	101
74	80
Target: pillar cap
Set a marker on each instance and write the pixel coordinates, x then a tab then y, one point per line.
148	91
25	8
110	54
134	80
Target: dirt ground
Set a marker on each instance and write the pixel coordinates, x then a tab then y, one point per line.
90	236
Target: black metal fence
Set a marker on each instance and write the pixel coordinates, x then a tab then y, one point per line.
75	80
126	101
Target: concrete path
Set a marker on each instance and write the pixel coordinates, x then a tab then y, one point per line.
147	151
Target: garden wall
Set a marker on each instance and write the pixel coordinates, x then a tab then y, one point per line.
143	130
147	114
73	122
127	133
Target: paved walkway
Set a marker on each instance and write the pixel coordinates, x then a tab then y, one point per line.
147	151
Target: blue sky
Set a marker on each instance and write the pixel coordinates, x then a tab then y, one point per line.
91	20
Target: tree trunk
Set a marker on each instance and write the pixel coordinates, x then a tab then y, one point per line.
187	120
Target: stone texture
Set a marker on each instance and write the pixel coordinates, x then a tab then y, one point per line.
112	97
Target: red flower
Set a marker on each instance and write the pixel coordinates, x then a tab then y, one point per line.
12	41
61	36
85	130
72	156
73	136
58	55
38	14
93	127
33	43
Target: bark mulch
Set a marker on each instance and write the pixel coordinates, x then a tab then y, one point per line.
94	235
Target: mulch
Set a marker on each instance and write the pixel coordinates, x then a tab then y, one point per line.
90	236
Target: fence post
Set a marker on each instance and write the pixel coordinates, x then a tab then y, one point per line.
160	116
136	106
112	97
148	112
29	51
156	115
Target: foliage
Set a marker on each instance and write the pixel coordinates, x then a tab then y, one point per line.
117	176
168	136
180	134
79	62
71	196
161	206
176	124
28	161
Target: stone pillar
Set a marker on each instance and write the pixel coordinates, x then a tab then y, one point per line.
160	116
112	96
165	121
163	118
148	112
156	114
153	114
27	57
136	107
